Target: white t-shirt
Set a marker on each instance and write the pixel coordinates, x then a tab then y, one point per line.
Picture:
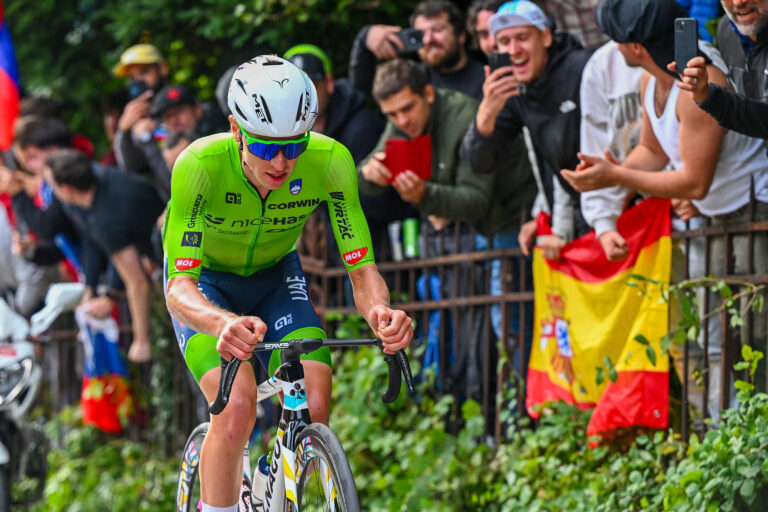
611	118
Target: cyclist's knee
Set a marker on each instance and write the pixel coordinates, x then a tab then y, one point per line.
317	377
238	418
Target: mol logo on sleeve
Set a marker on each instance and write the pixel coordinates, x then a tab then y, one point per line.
186	263
352	257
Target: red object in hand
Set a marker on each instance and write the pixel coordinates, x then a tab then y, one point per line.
409	154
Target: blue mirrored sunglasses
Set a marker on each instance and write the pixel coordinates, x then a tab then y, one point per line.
268	149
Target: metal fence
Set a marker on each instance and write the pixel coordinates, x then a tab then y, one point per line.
447	291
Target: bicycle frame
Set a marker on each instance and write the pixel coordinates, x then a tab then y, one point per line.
295	417
284	473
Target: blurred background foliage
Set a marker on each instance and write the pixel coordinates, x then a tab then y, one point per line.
67	48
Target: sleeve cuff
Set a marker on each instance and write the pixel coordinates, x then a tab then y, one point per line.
603	225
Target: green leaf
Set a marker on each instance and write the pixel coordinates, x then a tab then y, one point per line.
613	375
651	354
747	490
741	366
743	386
642	340
757	305
599	376
746	352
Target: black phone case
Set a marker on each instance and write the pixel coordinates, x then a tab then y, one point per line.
499	60
412	39
686	42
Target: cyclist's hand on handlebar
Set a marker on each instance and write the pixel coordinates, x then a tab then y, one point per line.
240	336
393	327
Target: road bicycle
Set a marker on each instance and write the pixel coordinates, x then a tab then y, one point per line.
309	470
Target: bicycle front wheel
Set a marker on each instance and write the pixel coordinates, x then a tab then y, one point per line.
188	489
324	481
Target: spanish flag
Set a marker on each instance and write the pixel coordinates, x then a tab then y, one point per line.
586	309
9	85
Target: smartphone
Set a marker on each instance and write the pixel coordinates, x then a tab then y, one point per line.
412	39
136	88
686	42
499	60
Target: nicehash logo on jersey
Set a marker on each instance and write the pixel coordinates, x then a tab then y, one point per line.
295	186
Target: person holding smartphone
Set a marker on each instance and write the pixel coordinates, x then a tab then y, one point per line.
739	37
540	91
442	50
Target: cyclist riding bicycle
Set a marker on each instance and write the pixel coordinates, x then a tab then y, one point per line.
238	203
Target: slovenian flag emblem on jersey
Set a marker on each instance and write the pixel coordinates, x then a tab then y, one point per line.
295	186
9	85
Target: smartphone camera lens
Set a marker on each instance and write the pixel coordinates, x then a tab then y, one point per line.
679	25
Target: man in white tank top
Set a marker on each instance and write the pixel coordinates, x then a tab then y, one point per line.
712	167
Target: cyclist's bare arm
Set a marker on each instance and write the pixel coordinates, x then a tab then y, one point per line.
237	335
393	327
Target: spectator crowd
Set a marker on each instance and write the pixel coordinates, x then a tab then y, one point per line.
571	108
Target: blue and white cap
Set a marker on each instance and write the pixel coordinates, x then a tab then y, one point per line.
518	13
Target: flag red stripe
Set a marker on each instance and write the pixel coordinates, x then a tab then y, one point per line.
540	390
637	398
583	258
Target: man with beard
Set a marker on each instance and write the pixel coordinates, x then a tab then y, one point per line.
444	57
742	38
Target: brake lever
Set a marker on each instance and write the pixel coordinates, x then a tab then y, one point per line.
227	378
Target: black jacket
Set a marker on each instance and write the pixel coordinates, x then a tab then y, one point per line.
549	108
350	122
745	110
362	67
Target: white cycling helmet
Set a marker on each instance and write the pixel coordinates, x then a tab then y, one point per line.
271	97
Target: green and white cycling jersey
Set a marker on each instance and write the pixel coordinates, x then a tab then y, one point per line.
216	218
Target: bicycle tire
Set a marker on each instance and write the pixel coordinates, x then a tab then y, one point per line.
317	444
187	493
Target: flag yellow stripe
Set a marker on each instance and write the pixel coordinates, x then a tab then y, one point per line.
602	319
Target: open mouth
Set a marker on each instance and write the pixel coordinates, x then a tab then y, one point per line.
520	65
745	15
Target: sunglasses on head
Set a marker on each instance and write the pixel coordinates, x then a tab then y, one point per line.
268	149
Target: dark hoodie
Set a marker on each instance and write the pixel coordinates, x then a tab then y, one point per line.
350	122
549	108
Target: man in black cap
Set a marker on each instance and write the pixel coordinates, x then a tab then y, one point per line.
174	108
713	167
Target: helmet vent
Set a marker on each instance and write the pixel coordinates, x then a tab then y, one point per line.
240	112
242	86
266	109
298	111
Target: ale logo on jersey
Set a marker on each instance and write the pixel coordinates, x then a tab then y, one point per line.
353	257
186	263
295	186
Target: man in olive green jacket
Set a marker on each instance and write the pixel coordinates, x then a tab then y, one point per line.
490	203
